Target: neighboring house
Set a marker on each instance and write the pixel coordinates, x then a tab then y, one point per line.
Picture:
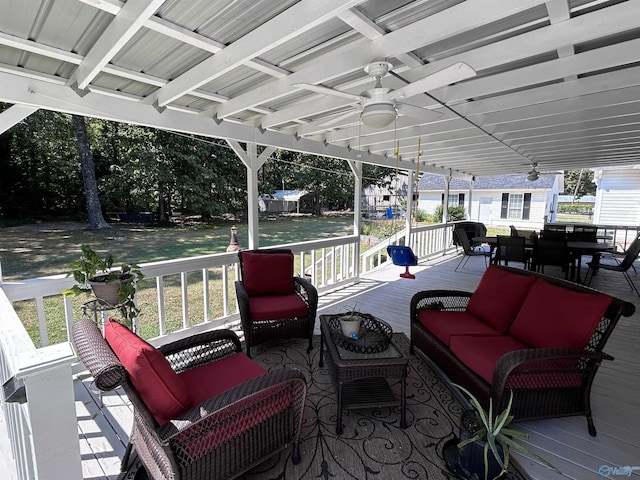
499	200
282	201
617	196
377	198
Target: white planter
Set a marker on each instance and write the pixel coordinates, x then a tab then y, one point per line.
349	327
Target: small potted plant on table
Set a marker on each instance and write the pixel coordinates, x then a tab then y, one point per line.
115	286
483	449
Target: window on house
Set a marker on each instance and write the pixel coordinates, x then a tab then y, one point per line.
386	198
455	200
516	206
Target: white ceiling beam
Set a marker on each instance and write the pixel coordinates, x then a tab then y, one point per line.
122	28
584	28
57	97
457	19
587	62
370	29
181	34
14	115
294	21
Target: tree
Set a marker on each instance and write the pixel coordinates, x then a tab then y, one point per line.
87	167
579	183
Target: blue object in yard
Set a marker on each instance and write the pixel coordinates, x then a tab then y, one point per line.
403	257
390	212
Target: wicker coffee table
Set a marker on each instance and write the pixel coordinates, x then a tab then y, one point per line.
360	379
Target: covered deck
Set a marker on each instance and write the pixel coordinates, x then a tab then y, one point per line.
565	442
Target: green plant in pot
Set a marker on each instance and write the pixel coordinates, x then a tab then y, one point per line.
485	453
116	286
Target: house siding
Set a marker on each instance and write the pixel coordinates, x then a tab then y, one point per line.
618	198
541	205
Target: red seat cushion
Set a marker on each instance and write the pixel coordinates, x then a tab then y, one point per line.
277	306
445	324
213	378
162	390
267	273
499	297
481	354
552	316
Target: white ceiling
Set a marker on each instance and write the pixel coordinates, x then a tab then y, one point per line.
558	82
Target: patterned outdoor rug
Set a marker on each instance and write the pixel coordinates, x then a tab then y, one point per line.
372	445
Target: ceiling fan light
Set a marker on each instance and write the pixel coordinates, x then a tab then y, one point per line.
533	176
378	115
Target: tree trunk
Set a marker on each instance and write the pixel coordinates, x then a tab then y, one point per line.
88	169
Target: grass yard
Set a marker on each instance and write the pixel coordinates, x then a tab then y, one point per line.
37	250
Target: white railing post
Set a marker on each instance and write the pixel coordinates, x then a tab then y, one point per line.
48	382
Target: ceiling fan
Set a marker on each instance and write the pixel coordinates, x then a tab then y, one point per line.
533	175
379	106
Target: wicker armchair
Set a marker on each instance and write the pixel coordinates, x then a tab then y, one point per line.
220	437
546	382
274	303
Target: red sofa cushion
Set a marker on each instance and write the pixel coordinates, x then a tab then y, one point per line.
213	378
267	273
552	316
280	306
445	324
481	354
499	297
162	390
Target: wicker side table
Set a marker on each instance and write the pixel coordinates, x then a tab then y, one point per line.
360	379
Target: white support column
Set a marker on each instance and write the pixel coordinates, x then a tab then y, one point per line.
445	200
470	201
48	381
356	168
408	221
253	162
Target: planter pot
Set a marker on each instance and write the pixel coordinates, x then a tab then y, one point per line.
468	462
106	287
350	325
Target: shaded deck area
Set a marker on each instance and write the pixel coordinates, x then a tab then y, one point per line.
565	442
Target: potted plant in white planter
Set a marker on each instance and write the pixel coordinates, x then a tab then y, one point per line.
116	286
483	451
350	323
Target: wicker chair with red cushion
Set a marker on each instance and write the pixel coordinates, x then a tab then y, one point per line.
273	302
202	408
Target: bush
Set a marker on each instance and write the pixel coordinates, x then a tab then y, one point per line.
455	213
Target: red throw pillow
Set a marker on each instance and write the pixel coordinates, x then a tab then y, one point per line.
162	390
267	273
499	297
556	317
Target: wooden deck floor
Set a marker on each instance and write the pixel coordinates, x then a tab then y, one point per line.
564	442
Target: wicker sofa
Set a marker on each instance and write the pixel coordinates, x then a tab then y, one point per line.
538	336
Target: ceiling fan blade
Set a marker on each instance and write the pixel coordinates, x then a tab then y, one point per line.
418	113
327	91
343	118
446	76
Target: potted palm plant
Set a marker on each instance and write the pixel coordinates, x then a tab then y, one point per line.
483	449
116	286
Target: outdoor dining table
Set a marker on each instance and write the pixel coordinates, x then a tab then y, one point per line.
576	250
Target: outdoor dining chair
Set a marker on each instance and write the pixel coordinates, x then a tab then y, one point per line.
469	251
273	302
512	249
551	253
619	266
202	409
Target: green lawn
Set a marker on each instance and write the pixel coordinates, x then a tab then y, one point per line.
30	251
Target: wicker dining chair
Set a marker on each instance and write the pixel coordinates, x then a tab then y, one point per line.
202	409
273	302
